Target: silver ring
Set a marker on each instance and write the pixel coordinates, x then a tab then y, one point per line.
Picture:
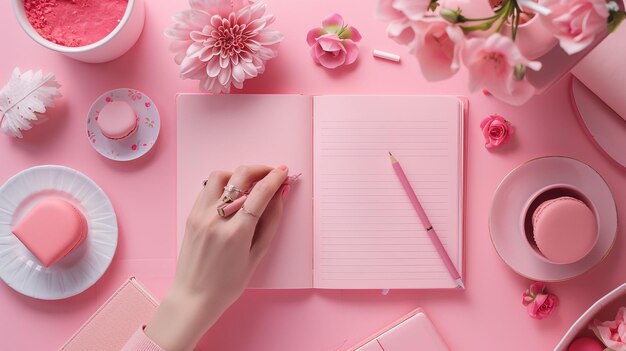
244	210
231	193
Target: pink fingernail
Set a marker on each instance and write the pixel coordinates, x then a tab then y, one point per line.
285	191
282	167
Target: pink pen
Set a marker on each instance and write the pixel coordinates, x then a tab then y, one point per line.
426	222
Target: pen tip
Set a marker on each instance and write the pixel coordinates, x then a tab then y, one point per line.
459	282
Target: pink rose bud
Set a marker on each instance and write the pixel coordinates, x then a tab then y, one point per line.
334	44
496	130
539	305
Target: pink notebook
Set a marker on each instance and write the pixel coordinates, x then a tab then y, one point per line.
411	332
348	223
112	325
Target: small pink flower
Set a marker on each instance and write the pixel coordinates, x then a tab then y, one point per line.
148	104
334	44
576	22
108	99
612	333
134	95
134	147
496	64
496	130
539	305
437	46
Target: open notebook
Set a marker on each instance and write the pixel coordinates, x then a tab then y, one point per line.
348	223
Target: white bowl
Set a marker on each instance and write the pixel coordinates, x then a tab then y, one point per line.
603	309
114	45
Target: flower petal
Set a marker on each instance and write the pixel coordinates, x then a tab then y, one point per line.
213	67
352	51
332	20
351	33
330	60
269	37
238	73
314	34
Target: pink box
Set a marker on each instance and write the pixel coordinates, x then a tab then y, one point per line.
411	332
112	325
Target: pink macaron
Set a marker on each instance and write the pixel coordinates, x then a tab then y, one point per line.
565	229
51	230
586	344
117	120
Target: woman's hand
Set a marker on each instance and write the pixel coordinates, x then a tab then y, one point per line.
218	255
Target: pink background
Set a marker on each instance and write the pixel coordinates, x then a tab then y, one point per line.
488	315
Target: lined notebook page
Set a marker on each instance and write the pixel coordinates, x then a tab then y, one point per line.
366	232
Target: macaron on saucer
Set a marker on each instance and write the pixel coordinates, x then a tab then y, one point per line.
123	124
510	203
564	229
26	200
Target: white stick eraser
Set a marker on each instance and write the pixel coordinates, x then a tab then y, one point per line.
386	56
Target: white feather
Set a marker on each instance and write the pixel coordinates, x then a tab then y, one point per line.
24	99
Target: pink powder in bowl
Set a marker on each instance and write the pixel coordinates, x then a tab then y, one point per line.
74	23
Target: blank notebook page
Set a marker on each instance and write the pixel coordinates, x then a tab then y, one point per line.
366	232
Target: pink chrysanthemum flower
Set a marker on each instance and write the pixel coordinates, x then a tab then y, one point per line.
222	43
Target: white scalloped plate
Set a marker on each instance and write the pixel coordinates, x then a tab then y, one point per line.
79	270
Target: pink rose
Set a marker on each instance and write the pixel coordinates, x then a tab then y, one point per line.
539	305
496	131
576	22
612	333
334	44
437	46
496	64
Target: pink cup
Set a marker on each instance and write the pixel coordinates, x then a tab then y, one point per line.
547	193
114	45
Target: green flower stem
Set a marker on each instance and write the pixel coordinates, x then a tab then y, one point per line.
501	15
509	9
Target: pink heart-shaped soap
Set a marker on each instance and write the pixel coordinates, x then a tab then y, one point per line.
51	230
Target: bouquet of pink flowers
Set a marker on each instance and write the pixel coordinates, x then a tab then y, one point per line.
487	37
